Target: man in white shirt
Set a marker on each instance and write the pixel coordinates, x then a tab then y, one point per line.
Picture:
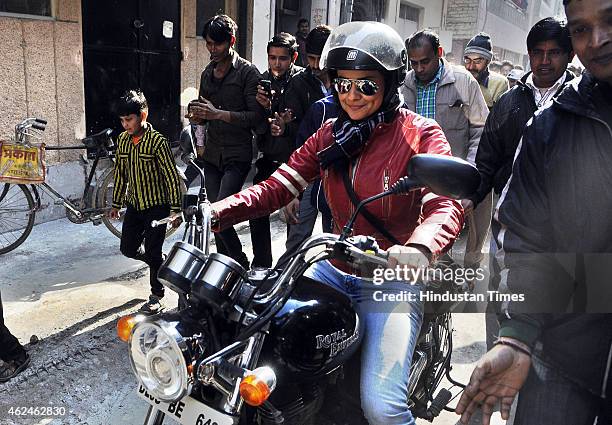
543	94
550	51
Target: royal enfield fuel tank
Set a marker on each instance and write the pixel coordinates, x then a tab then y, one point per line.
316	331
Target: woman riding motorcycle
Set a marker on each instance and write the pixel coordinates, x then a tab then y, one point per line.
371	142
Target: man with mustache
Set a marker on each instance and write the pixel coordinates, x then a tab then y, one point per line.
447	93
476	57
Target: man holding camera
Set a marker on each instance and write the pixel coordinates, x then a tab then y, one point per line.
303	91
282	53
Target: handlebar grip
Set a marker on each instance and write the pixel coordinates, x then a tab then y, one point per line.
38	126
41	121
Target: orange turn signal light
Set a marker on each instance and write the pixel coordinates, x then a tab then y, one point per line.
125	326
256	387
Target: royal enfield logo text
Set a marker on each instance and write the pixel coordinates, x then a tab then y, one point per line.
336	341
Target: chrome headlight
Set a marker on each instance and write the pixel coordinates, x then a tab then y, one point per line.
159	359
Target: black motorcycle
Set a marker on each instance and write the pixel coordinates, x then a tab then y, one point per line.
273	346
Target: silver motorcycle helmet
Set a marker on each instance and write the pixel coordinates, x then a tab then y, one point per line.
366	46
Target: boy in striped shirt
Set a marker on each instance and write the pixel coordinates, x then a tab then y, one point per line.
146	180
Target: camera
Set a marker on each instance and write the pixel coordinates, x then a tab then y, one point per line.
267	86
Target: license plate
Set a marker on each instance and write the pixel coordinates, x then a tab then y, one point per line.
188	411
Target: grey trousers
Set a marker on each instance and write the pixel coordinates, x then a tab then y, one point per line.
479	222
298	233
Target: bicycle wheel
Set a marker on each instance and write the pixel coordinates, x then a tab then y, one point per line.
17	213
105	202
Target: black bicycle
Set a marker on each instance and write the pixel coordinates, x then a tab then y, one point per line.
20	202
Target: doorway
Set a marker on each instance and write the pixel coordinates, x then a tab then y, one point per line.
132	44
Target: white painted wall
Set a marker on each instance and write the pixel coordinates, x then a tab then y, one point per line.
405	27
431	16
545	11
505	35
318	13
263	31
333	12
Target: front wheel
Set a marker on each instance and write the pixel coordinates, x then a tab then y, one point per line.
17	213
105	202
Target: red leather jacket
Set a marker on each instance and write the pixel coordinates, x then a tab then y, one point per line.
420	217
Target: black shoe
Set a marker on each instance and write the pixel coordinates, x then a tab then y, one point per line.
12	368
153	306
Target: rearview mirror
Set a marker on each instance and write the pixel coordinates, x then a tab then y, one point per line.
444	175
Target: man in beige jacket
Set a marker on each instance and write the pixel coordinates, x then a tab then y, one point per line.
449	94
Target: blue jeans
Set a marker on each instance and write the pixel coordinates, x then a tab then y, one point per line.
391	330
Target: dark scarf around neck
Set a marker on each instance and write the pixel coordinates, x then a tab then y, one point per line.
351	136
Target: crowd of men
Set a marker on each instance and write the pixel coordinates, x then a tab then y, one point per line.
541	140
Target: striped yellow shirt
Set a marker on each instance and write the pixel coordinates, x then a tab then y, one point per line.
146	172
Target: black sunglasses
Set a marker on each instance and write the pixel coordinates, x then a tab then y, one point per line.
365	87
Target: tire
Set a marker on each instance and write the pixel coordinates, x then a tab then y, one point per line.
17	214
105	200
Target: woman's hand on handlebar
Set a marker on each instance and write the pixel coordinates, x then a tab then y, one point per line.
409	256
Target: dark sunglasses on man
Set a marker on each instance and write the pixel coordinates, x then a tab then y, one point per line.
365	87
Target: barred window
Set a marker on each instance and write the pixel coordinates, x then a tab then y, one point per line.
27	7
409	13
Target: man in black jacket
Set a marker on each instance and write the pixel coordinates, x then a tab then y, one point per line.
282	54
550	50
227	105
303	91
556	241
